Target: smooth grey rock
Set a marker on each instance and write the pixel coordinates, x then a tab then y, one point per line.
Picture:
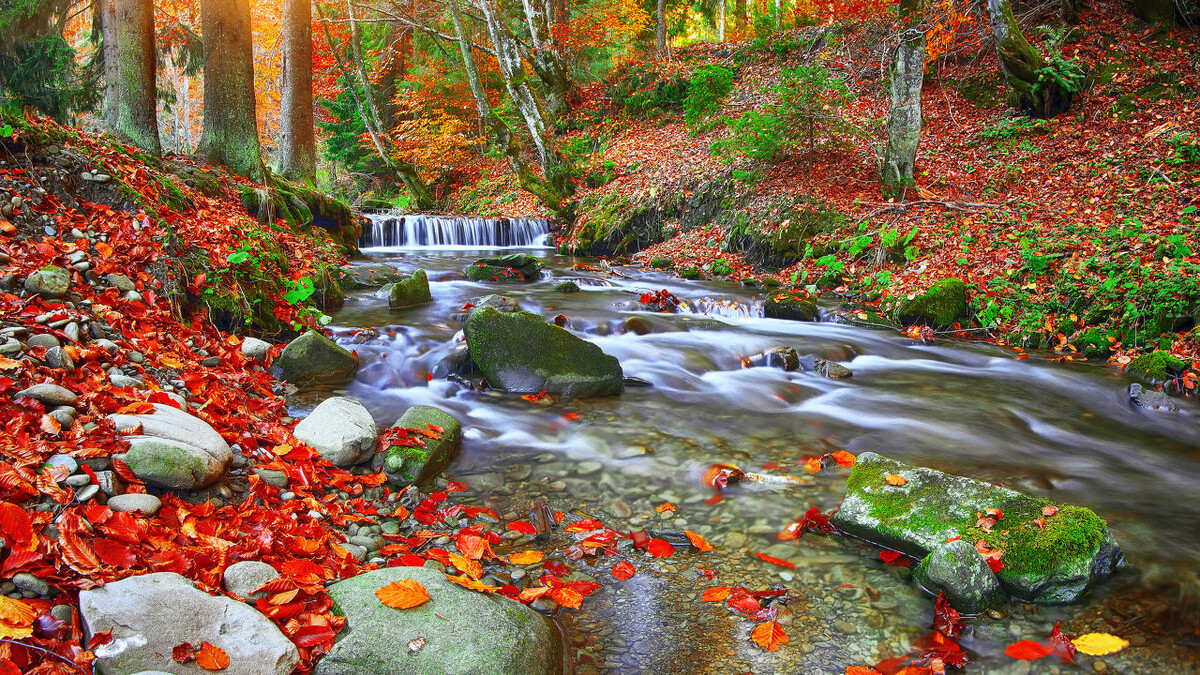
271	477
31	584
48	394
150	614
107	345
57	357
243	577
119	379
1054	565
1154	401
64	416
63	460
313	358
43	340
130	501
49	282
174	450
492	635
255	348
122	282
958	570
341	430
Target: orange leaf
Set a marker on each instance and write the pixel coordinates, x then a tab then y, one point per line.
8	364
698	541
773	560
212	657
16	612
466	566
1027	650
844	458
403	594
811	464
526	558
715	594
664	507
659	548
623	570
472	584
170	361
893	479
567	597
769	635
861	670
103	249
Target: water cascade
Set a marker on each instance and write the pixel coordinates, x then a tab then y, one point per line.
414	230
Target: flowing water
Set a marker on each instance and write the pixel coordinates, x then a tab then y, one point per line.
1065	432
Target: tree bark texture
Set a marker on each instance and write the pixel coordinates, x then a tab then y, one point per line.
112	68
739	17
721	22
137	89
660	16
297	136
904	115
230	133
1021	63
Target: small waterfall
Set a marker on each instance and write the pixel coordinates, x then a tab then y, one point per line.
414	230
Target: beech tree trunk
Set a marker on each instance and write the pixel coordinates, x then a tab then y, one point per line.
108	36
721	22
661	27
1157	12
297	137
904	115
1021	63
230	134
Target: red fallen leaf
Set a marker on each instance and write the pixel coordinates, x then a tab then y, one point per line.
773	560
15	525
769	635
715	594
721	476
18	560
843	458
98	639
861	670
1027	650
50	425
1064	648
893	558
522	527
744	604
715	499
308	636
623	570
946	619
571	416
1049	511
212	657
894	479
1040	522
184	653
812	464
659	548
698	541
664	507
114	553
995	564
567	597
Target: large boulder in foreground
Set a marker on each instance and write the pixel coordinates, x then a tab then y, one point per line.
409	465
313	358
1053	564
341	429
150	614
512	267
410	291
465	632
520	352
173	450
944	303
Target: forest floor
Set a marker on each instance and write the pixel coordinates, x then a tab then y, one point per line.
1076	236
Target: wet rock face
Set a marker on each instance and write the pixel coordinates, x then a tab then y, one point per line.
519	352
341	430
410	291
513	267
1154	401
150	614
491	634
791	307
49	282
957	569
1052	563
313	358
369	276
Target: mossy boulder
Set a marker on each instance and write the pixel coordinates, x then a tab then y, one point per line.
410	291
520	352
692	274
1094	342
373	275
944	303
512	267
566	287
49	282
405	465
957	569
465	632
1054	564
1156	367
791	306
313	358
660	263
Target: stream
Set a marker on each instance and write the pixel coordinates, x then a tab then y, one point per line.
1062	431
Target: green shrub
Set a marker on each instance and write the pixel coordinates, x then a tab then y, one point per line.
710	85
647	90
721	268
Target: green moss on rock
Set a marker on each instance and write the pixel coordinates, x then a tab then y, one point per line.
660	263
791	306
405	465
520	352
1156	366
1053	565
410	291
944	303
1094	342
313	358
566	287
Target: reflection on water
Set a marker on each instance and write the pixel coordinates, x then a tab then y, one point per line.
1062	431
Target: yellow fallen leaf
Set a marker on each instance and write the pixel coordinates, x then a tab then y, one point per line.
525	558
1099	644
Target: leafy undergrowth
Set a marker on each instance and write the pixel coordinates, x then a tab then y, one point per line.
1075	235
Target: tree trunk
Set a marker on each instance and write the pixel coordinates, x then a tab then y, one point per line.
661	27
297	138
1021	62
1156	12
721	22
1070	10
739	18
904	116
137	82
112	69
230	134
